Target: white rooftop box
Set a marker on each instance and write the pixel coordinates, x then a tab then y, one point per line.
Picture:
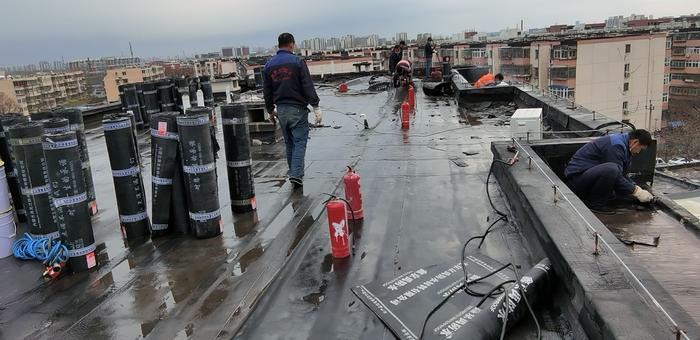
526	123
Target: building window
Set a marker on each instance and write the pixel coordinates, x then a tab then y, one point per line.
664	97
537	54
692	63
669	43
693	50
684	91
628	48
624	106
627	70
626	87
667	61
123	73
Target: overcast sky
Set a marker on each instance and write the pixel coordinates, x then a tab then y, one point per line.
35	30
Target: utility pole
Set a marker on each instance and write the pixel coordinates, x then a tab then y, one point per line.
651	110
131	51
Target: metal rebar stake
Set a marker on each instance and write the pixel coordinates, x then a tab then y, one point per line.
596	250
555	193
529	162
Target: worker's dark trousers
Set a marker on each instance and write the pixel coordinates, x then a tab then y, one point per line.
294	121
596	185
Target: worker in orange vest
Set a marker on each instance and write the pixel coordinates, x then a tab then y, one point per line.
488	80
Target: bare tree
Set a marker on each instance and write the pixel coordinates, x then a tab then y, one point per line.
8	104
682	139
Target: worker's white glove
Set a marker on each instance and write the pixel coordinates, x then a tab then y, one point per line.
318	115
642	195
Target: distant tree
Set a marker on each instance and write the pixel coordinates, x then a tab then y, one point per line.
8	104
682	139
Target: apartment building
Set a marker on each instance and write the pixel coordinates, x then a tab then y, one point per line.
129	75
95	70
43	92
214	67
683	80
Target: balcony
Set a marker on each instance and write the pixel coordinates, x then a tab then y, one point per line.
562	73
508	53
563	52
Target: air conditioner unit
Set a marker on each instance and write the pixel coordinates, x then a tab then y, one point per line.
689	80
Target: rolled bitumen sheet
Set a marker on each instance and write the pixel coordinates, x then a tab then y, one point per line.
142	104
404	302
182	89
30	164
199	168
6	122
165	95
69	197
205	82
132	104
150	98
179	210
212	124
234	121
122	97
75	119
126	173
164	151
39	116
56	125
193	87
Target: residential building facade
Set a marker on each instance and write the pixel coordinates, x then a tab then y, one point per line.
129	75
42	92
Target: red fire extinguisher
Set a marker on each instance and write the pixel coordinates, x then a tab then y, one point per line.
338	228
353	194
411	96
405	110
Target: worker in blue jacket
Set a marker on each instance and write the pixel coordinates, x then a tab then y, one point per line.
598	169
287	85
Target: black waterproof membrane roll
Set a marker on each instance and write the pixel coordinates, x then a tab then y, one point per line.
150	98
182	89
30	164
69	197
239	162
199	168
212	124
142	104
132	103
39	116
56	125
403	303
179	210
164	151
6	122
75	119
165	95
193	87
205	83
126	174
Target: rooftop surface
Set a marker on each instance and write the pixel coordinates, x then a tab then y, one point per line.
270	275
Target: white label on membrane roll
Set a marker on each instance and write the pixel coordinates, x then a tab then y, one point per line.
239	164
133	218
161	181
205	216
126	172
81	251
199	169
61	201
64	144
159	226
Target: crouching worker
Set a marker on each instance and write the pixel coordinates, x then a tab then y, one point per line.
403	75
597	171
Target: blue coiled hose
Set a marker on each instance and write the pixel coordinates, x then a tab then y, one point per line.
40	248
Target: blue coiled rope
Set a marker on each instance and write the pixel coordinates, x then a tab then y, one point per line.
40	248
